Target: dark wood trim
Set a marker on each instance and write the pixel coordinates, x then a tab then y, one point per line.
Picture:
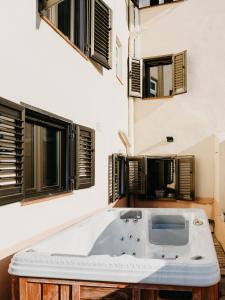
45	113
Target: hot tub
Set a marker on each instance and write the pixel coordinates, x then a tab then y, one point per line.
148	246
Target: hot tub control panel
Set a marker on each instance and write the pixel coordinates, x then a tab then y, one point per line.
131	214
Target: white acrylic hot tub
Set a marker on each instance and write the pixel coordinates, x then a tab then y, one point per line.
128	245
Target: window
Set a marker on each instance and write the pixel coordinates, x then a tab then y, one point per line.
158	77
69	16
149	3
45	154
147	177
42	154
119	57
87	24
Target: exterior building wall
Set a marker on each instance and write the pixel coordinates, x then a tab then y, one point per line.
39	68
195	117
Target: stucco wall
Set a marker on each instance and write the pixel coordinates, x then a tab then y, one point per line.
38	67
192	118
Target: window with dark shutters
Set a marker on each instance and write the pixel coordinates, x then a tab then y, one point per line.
135	77
136	175
11	151
101	18
85	157
185	179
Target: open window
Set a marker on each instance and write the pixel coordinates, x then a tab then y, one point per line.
46	153
158	77
42	154
151	177
86	24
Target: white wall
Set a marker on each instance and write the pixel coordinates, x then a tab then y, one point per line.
38	67
192	118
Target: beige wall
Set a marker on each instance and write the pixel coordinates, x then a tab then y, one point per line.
192	118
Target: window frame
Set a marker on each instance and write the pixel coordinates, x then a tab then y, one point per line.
50	119
146	78
136	75
82	29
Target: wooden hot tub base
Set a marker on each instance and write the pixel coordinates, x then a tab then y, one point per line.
24	288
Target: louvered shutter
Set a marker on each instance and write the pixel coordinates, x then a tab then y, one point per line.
135	77
85	157
101	33
11	151
46	4
136	175
180	73
114	178
110	179
185	179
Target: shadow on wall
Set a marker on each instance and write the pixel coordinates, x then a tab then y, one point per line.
5	280
38	19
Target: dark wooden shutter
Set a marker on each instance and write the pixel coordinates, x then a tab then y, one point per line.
180	73
11	151
114	178
136	175
85	157
185	179
135	77
46	4
101	33
110	179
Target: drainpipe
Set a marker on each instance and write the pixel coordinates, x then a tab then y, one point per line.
133	51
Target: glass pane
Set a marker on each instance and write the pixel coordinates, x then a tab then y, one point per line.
50	153
160	81
29	156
